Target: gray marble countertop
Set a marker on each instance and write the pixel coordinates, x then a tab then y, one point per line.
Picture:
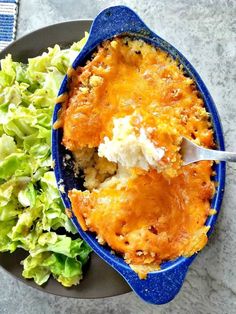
205	32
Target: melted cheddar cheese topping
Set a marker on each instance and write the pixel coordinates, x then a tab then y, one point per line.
148	215
148	218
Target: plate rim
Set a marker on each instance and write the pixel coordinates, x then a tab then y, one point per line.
2	52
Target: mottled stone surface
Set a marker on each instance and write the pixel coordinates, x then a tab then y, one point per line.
205	31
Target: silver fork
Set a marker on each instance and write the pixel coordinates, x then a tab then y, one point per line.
191	153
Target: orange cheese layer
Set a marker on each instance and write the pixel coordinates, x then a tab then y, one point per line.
150	219
130	77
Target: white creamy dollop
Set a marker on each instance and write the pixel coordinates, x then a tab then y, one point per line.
128	149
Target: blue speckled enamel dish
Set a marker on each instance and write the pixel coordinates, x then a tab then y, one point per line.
160	286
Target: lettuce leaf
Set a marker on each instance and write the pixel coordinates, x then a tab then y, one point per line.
59	255
32	215
66	270
5	242
8	73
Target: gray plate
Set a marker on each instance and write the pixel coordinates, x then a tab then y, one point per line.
100	280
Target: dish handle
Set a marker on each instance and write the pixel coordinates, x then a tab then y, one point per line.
112	21
159	287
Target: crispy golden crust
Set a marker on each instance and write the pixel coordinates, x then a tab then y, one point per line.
148	217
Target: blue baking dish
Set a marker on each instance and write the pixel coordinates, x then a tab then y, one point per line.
163	285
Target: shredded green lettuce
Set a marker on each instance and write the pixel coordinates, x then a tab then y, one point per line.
32	215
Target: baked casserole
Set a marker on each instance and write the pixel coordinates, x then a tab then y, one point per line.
123	119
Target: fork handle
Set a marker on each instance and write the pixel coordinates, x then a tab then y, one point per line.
211	154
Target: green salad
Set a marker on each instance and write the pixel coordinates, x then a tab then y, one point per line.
32	215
